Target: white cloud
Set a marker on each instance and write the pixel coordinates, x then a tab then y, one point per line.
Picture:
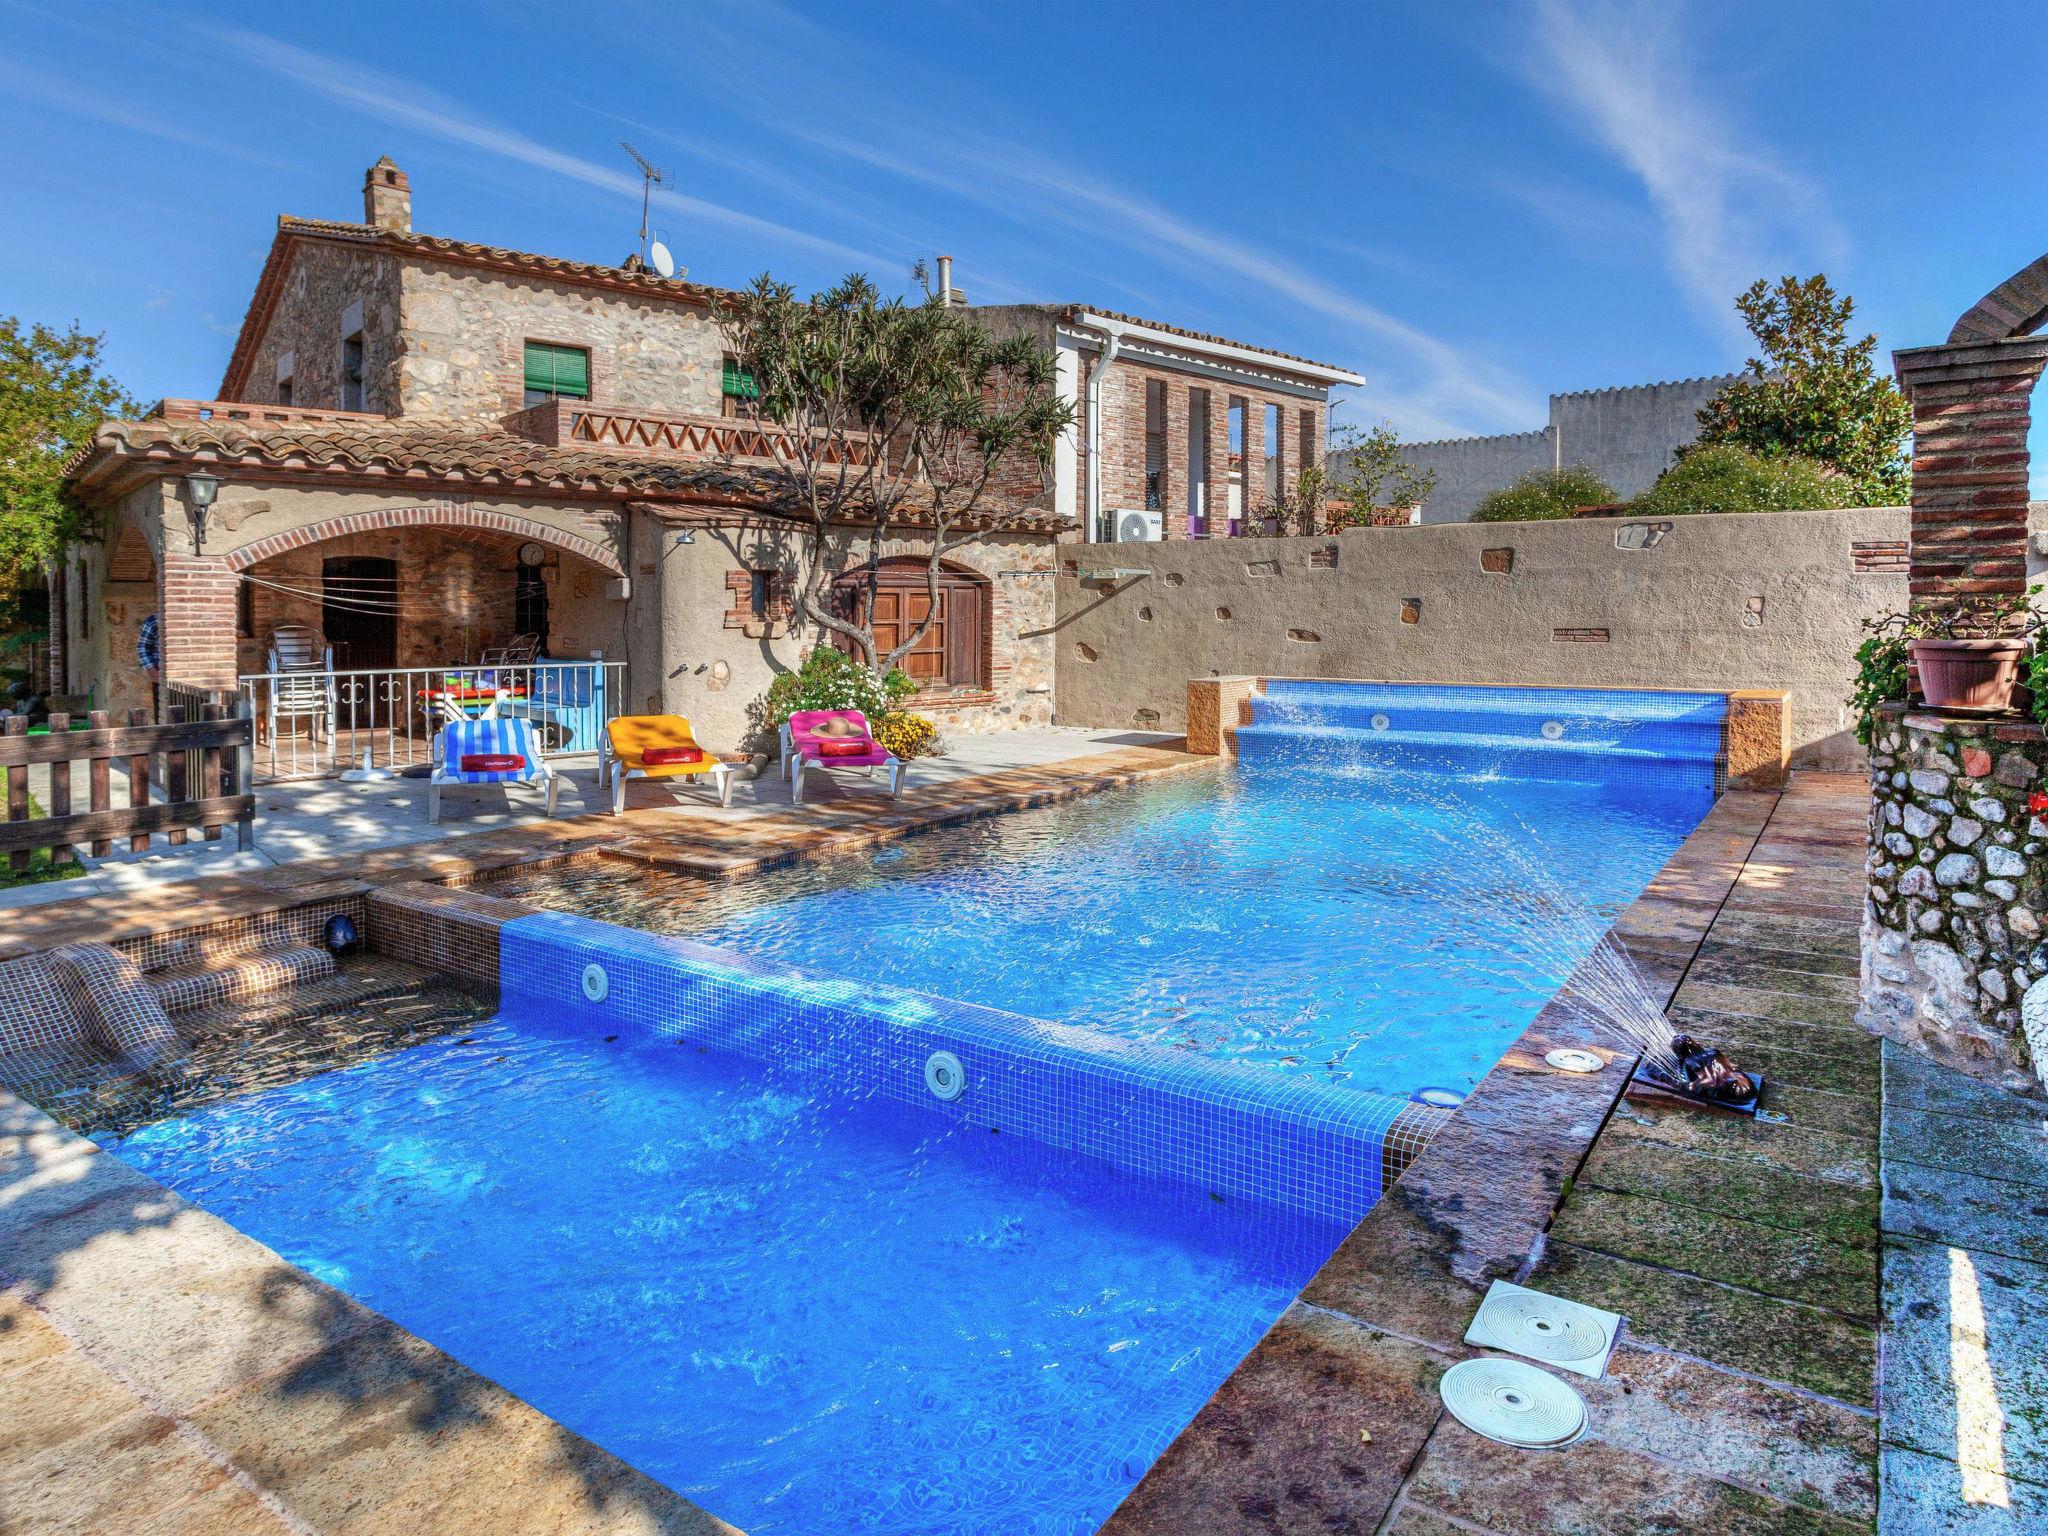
1729	210
408	104
68	97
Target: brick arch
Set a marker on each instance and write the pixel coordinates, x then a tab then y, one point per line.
440	514
2016	307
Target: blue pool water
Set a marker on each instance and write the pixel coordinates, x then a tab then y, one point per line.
1373	908
809	1316
691	1194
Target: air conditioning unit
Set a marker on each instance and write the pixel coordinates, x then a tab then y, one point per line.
1134	525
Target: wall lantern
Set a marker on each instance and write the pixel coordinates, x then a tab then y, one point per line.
200	491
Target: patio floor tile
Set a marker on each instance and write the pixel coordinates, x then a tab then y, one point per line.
1932	1496
1778	1340
1944	1205
1772	1260
1279	1447
1966	1357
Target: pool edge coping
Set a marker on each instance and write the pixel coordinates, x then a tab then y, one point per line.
1473	1207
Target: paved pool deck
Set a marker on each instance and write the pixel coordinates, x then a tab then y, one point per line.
323	819
1835	1313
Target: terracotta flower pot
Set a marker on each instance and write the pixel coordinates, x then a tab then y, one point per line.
1968	674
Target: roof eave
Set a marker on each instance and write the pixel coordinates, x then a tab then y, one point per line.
1251	357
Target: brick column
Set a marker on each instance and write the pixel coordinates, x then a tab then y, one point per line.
1173	498
1216	501
1254	464
1970	419
196	620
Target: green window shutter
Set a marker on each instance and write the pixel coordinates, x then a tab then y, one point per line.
739	383
558	370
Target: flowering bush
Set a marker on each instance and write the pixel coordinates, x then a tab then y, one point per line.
831	679
906	735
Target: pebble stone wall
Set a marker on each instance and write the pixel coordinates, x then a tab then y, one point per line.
1955	926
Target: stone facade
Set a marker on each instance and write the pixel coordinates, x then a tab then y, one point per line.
1953	928
466	332
326	287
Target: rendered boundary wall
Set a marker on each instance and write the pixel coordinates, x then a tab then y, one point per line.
1770	602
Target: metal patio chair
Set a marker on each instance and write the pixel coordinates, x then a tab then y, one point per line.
301	687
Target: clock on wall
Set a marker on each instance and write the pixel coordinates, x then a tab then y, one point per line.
531	553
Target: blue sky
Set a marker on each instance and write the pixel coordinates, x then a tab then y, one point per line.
1471	203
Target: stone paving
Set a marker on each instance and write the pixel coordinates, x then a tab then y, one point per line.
1837	1314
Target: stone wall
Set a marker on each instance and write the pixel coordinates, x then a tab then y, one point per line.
466	331
1958	899
1726	602
1627	435
324	284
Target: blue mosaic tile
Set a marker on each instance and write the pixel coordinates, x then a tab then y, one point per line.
1236	1131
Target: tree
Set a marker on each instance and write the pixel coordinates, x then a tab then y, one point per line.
1813	392
1373	475
1724	478
1545	493
897	419
54	394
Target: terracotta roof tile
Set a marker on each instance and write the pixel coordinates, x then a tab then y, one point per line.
452	453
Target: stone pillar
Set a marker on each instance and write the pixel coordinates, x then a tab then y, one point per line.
1217	706
1758	738
1955	930
1173	497
1970	420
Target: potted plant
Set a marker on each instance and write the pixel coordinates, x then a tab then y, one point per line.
1968	653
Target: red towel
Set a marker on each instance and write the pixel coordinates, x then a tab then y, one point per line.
668	757
839	746
492	762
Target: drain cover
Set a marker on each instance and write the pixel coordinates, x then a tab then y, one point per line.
1552	729
595	983
944	1075
1380	722
1573	1060
1514	1403
1562	1333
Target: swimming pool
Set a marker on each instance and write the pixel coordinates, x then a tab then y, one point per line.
809	1313
1376	908
934	1191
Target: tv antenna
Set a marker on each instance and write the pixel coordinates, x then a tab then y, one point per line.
650	178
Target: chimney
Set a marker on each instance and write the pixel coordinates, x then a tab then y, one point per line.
948	294
387	197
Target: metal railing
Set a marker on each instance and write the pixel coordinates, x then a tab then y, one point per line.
318	722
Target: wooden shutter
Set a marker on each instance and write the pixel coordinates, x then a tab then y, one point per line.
739	383
558	370
965	622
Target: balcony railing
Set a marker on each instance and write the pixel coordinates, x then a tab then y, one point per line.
576	423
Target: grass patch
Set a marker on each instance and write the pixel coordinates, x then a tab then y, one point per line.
40	867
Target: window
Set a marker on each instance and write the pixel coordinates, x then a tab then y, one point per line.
351	372
284	391
740	395
761	583
556	373
245	609
1155	444
1276	459
954	652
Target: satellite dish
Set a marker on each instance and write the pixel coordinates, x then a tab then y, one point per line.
663	263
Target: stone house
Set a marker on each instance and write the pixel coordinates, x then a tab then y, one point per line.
425	446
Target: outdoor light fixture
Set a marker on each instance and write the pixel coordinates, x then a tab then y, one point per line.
200	491
686	537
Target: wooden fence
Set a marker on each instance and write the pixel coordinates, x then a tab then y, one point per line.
204	765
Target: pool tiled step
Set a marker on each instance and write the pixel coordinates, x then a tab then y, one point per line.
1701	747
240	977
